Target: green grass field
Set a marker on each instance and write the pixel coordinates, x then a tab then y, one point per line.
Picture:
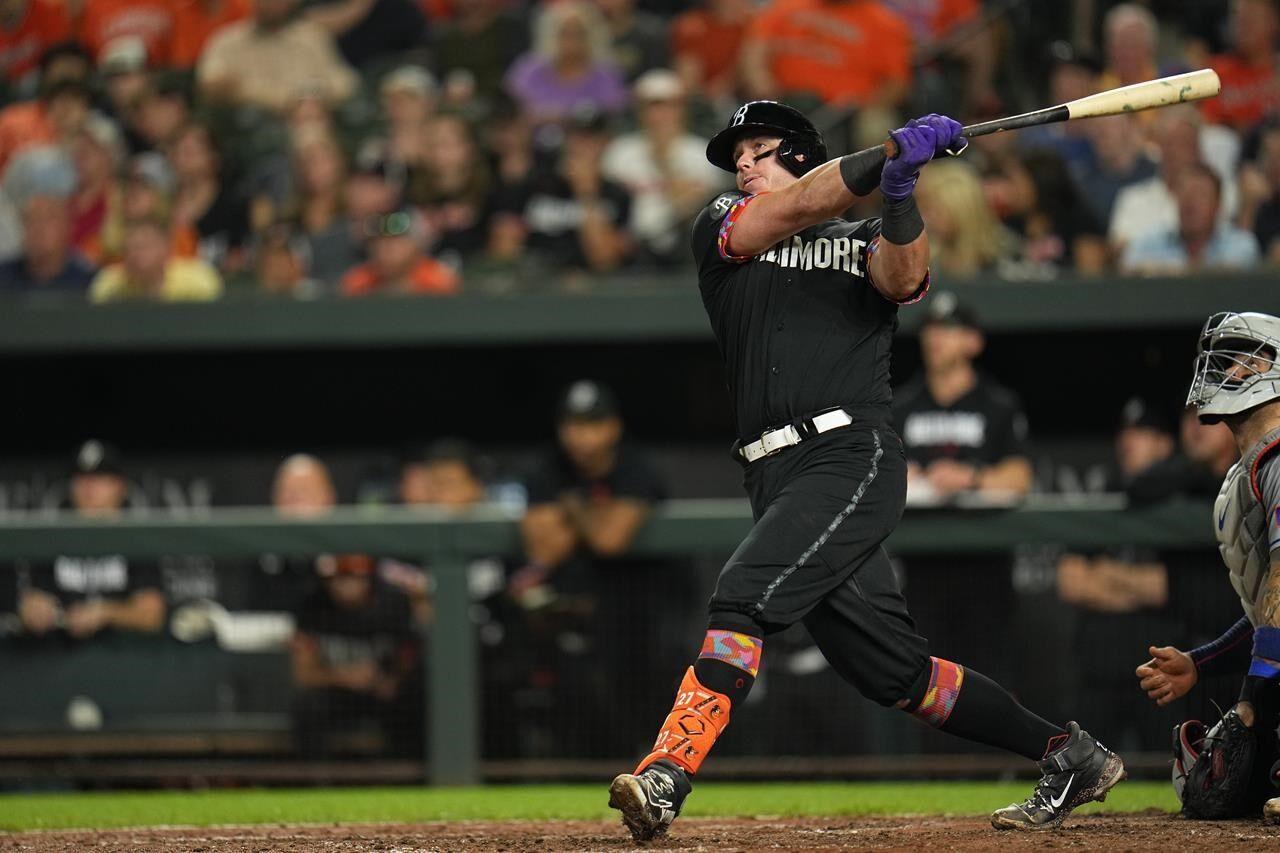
526	802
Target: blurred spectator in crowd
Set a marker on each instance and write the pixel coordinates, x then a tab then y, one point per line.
319	209
49	263
408	97
55	116
443	474
86	595
1201	240
105	21
162	109
572	217
480	41
961	430
1073	74
454	189
273	60
148	194
398	260
1116	159
508	136
965	236
280	264
587	501
302	487
368	29
947	34
1250	84
570	67
98	204
853	52
27	29
194	21
214	215
124	75
1034	195
638	38
665	168
1150	206
1260	193
355	659
149	270
1129	34
706	42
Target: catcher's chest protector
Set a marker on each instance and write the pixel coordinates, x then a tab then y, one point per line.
1240	523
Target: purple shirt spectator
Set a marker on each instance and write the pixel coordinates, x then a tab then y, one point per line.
570	68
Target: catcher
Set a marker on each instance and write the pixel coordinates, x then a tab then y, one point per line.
1228	770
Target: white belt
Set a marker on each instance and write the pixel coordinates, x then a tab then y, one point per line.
778	439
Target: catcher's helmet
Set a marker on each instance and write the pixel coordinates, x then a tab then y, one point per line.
801	148
1237	366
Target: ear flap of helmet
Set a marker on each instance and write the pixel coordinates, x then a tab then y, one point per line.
802	152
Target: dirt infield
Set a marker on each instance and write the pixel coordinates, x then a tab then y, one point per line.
1104	832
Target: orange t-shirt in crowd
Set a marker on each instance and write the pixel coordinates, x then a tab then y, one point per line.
933	19
104	21
842	51
427	276
1249	93
713	41
45	23
194	21
21	126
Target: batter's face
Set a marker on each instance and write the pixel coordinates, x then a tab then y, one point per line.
759	174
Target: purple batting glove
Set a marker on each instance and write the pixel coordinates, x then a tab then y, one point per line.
916	146
950	133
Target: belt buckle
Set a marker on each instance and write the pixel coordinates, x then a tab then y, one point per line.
779	439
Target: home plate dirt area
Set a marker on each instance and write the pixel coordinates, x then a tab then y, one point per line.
1153	831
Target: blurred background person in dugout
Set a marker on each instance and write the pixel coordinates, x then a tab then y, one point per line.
82	596
962	431
608	611
355	656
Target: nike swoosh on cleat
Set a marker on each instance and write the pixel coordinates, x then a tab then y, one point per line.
1057	802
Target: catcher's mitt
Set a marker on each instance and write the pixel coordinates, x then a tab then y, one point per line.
1216	768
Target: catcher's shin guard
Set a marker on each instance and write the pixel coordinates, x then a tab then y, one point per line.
697	719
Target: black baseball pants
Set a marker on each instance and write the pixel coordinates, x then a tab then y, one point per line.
823	508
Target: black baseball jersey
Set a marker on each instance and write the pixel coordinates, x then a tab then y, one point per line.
800	326
981	428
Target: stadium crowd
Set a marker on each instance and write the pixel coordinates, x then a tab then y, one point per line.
186	149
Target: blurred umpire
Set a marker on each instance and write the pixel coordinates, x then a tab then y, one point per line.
804	306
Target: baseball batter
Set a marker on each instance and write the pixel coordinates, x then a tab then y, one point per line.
1226	773
804	306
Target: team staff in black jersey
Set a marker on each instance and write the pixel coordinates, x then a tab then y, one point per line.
962	430
804	305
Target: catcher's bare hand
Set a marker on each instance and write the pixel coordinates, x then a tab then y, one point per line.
1169	675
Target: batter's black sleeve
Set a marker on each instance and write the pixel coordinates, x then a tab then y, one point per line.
711	229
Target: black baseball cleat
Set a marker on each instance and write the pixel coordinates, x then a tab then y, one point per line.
650	800
1078	772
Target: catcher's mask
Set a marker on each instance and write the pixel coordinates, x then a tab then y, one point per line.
1236	368
800	150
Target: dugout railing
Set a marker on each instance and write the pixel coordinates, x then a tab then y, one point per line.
708	528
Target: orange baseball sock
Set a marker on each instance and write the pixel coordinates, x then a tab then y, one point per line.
697	719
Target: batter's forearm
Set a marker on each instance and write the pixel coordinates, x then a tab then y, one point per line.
897	271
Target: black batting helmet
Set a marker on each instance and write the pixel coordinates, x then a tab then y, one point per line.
801	148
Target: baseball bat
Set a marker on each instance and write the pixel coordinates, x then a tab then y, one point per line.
1177	89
